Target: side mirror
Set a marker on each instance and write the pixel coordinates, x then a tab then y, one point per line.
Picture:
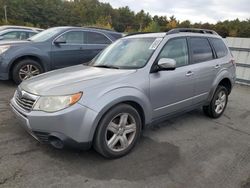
60	40
166	64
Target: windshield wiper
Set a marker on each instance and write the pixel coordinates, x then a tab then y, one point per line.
107	66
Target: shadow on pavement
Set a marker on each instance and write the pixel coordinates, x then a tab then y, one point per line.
156	158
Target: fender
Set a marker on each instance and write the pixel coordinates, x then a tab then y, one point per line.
30	51
221	75
117	96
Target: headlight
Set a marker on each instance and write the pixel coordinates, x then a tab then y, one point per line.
56	103
4	48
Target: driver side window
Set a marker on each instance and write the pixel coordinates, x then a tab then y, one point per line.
73	37
176	49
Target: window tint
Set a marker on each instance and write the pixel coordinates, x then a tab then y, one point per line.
176	49
201	50
220	47
73	37
97	38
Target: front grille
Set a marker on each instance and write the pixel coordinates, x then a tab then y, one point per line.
43	137
24	100
25	103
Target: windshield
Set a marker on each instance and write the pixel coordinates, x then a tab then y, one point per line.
45	35
127	53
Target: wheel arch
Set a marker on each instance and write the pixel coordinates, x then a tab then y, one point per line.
226	83
23	57
135	104
223	80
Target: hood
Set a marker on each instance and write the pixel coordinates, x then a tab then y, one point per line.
72	80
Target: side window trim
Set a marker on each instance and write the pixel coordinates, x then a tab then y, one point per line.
156	59
190	51
190	57
213	50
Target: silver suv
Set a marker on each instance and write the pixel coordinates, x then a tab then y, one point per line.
139	80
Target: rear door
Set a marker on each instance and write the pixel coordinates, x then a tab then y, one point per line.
69	53
205	67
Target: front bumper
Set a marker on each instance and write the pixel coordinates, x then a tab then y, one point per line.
4	75
73	126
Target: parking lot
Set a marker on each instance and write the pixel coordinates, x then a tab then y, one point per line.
188	151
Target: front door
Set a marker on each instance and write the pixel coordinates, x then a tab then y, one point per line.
171	91
70	52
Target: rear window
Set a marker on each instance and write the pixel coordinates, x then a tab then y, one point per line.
200	50
219	47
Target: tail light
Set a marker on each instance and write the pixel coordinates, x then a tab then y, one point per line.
233	62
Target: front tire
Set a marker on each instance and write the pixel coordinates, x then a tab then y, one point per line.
118	131
218	103
25	69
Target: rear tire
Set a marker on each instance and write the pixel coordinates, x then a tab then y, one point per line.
25	69
118	131
218	103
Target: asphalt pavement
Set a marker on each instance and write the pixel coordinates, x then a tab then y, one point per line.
191	150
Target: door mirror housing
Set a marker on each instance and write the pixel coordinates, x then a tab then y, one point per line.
60	40
166	64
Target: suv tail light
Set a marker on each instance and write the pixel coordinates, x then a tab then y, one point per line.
233	62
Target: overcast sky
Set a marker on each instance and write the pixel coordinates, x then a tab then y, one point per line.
193	10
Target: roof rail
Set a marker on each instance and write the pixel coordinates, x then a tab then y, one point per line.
191	30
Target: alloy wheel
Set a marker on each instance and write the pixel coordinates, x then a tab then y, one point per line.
220	102
120	132
27	71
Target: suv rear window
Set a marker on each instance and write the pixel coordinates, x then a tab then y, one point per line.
219	47
200	50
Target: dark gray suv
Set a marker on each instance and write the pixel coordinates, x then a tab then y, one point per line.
53	48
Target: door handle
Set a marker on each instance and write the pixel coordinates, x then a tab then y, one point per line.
189	73
217	66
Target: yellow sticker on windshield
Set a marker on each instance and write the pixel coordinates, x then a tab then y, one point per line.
155	44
